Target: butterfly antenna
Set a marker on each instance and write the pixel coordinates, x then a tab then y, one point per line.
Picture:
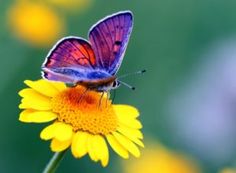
134	73
127	85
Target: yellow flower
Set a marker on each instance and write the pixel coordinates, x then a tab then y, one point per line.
35	23
228	170
84	122
158	159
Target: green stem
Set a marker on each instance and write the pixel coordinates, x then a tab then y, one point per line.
54	162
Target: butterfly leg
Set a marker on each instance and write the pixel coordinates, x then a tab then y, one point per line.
83	94
108	96
100	100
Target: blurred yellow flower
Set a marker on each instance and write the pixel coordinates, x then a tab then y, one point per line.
71	5
82	123
228	170
158	159
35	23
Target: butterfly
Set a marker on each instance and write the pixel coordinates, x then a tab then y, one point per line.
92	63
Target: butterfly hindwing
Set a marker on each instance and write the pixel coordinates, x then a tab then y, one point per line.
109	39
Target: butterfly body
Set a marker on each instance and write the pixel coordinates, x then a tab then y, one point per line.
101	85
92	63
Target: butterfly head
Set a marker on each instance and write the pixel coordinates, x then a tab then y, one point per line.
109	86
115	84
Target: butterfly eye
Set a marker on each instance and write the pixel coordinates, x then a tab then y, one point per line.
115	84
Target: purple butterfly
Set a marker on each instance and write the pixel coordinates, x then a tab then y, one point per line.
92	63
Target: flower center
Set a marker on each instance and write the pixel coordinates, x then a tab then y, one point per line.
85	110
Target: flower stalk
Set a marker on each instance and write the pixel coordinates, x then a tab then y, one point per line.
54	162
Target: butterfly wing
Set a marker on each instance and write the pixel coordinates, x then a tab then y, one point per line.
70	60
109	39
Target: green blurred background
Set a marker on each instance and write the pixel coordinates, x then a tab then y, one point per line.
187	97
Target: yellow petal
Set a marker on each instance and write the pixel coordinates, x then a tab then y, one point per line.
126	115
117	147
37	102
58	146
135	132
126	143
91	148
126	111
48	132
60	86
42	86
63	132
30	116
58	130
101	149
30	93
79	144
128	133
132	123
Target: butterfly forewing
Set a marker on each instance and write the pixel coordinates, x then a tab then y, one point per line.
71	51
109	39
70	57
